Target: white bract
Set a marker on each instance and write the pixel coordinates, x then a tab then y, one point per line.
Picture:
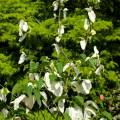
17	101
75	113
57	48
61	30
83	43
66	67
86	24
57	39
93	32
23	27
65	13
55	87
61	105
5	112
91	14
55	5
44	95
86	86
22	58
96	52
29	102
3	94
97	72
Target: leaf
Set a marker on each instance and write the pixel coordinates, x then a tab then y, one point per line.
53	77
39	84
107	115
37	96
79	100
33	66
59	67
29	90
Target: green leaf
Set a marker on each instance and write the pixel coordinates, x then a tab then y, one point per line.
107	115
53	77
29	90
78	100
59	67
37	96
39	84
34	66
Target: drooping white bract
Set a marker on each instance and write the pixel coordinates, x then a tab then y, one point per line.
91	14
5	112
44	95
88	112
61	30
93	32
66	66
97	72
29	102
76	86
83	43
96	52
91	103
3	97
17	118
65	13
17	101
57	39
75	113
55	5
22	58
86	24
23	27
61	105
57	48
86	86
55	87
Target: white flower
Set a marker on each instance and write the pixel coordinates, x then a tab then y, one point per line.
76	86
3	94
97	72
75	113
44	95
57	39
91	14
47	80
29	102
55	5
4	112
55	87
96	52
61	30
86	24
17	101
22	37
57	48
66	67
91	103
65	13
93	32
17	118
86	86
23	27
61	105
22	58
83	43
